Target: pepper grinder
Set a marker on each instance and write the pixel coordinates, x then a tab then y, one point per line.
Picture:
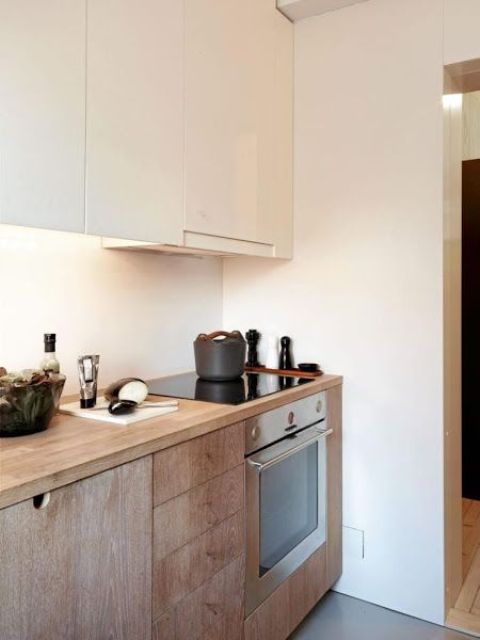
285	361
253	337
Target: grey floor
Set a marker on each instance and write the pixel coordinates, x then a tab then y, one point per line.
339	617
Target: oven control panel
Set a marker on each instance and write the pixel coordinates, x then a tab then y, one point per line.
271	426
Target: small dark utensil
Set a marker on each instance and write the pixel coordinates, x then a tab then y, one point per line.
310	367
122	407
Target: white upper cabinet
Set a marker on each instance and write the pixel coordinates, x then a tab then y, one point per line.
278	216
165	124
135	121
42	113
238	123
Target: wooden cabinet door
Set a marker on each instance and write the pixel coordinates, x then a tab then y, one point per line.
80	568
135	120
231	123
42	113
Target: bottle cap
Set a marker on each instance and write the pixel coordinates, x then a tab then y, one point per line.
49	341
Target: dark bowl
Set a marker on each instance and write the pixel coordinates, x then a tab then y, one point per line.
310	367
28	408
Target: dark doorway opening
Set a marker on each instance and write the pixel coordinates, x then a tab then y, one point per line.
471	329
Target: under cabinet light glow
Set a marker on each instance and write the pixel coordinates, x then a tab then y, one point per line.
452	100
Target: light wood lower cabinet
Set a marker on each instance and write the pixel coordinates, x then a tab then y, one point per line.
156	549
199	539
334	486
282	612
287	606
80	568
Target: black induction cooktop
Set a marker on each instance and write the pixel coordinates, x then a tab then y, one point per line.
249	387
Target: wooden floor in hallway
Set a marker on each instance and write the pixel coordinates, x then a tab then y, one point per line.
466	613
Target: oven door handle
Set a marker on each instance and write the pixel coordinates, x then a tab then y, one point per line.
286	451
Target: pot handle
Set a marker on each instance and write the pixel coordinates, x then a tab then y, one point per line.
218	334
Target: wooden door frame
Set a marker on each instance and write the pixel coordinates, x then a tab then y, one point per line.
460	78
452	316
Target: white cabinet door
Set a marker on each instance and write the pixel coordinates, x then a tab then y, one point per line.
276	221
42	113
229	127
135	119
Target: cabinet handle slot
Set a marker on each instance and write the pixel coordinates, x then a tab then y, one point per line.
42	500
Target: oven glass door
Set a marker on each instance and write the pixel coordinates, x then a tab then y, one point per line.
286	510
288	505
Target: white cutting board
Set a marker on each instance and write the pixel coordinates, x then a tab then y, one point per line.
100	412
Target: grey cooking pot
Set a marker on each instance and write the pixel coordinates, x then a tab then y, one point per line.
220	356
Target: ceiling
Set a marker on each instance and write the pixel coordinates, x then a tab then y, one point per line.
299	9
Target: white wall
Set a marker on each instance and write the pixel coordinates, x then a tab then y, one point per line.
364	293
462	20
140	312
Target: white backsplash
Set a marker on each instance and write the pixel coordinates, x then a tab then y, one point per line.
140	312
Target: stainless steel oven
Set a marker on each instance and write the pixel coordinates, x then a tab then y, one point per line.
285	493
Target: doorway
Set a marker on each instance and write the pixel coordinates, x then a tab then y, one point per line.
463	470
471	296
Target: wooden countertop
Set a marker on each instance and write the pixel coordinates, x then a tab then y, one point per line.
73	448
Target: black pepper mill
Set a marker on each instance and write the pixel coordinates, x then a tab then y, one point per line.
253	337
285	361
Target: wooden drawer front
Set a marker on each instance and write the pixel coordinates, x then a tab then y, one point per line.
164	627
187	516
282	612
198	561
306	587
271	620
214	611
192	463
184	570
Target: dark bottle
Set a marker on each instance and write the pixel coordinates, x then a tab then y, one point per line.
285	361
49	361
